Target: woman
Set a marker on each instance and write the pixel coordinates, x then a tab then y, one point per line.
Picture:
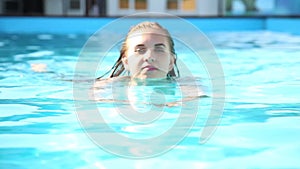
147	52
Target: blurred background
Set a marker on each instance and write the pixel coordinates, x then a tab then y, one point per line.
116	8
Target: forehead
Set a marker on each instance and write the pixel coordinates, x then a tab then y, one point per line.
149	36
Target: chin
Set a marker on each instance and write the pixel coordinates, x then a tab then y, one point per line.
154	76
150	76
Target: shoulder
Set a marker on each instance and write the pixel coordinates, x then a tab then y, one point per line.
107	81
192	86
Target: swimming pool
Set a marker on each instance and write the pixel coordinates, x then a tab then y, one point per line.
259	126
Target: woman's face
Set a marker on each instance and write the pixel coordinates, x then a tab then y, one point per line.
148	55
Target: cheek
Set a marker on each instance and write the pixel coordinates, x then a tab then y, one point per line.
165	61
132	58
134	62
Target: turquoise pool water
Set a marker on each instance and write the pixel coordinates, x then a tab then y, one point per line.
259	126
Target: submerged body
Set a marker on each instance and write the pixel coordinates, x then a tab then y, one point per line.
124	89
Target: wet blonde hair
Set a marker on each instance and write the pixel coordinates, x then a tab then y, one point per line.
119	68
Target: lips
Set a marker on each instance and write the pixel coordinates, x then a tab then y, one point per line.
150	68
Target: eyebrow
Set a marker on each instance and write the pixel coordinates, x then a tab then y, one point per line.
156	45
140	45
159	45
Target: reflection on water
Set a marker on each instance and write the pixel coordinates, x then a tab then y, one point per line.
39	126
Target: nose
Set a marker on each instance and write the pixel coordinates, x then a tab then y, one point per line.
148	57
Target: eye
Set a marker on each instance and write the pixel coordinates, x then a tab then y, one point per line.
140	50
160	49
